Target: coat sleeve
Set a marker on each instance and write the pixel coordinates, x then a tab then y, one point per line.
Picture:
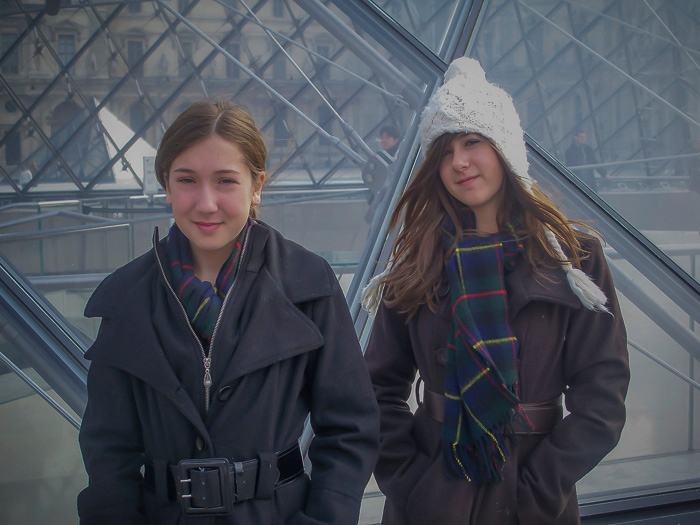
596	369
112	450
344	418
392	367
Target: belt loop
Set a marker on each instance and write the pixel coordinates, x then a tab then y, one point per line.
161	479
268	474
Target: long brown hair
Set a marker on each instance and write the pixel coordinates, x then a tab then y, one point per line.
418	253
200	121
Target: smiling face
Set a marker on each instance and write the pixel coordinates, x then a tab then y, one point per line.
472	173
211	190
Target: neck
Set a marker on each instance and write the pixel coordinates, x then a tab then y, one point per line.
207	268
486	225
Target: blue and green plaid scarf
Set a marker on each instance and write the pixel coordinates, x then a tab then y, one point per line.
201	299
481	379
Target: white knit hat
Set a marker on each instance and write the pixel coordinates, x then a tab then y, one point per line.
468	103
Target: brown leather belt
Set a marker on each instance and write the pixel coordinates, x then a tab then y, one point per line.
543	416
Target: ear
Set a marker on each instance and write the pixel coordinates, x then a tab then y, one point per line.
257	190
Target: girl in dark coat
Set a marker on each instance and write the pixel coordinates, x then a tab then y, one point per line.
501	307
213	349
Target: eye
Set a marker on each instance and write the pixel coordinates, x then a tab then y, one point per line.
228	180
185	180
471	141
447	152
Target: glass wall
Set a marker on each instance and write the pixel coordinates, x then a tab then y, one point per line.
608	95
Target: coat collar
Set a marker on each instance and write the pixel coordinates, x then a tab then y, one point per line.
276	275
550	285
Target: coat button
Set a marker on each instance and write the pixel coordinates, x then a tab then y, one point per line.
225	393
200	444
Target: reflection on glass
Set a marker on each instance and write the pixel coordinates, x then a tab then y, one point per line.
609	89
42	467
320	91
85	107
430	22
659	445
664	349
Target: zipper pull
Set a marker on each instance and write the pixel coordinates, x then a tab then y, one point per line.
207	373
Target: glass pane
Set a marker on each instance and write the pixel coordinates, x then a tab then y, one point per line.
320	91
90	91
42	466
433	23
663	346
610	88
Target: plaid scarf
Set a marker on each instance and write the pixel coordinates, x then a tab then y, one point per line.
201	299
481	379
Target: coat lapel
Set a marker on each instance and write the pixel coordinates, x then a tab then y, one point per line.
264	325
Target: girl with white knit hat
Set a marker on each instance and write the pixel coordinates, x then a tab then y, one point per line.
494	307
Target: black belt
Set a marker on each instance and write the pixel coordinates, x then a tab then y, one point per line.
543	416
212	486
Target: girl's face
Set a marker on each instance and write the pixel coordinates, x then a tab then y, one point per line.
472	173
211	189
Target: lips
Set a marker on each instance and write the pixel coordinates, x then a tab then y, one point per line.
467	180
208	226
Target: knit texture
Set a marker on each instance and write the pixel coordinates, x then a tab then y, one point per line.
468	103
481	379
202	300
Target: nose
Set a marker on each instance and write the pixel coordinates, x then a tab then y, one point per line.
206	200
460	159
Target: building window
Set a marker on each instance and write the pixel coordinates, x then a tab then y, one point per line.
325	120
134	7
278	8
279	68
324	68
185	59
10	62
281	131
13	148
232	69
134	51
137	117
66	48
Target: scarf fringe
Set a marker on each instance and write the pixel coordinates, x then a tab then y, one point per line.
482	461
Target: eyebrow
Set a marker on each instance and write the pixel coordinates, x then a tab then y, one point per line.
217	172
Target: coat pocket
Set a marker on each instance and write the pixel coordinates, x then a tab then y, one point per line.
290	498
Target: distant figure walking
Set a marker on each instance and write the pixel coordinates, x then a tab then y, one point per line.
390	138
581	154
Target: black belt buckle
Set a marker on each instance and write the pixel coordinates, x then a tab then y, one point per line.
203	486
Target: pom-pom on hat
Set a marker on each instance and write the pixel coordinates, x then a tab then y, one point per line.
468	103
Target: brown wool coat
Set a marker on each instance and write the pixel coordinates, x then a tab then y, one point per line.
564	347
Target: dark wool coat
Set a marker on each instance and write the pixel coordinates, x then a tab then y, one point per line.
285	347
564	348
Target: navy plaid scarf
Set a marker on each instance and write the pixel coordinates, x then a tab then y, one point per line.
201	299
481	379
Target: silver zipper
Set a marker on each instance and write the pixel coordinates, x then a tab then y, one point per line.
206	359
207	376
